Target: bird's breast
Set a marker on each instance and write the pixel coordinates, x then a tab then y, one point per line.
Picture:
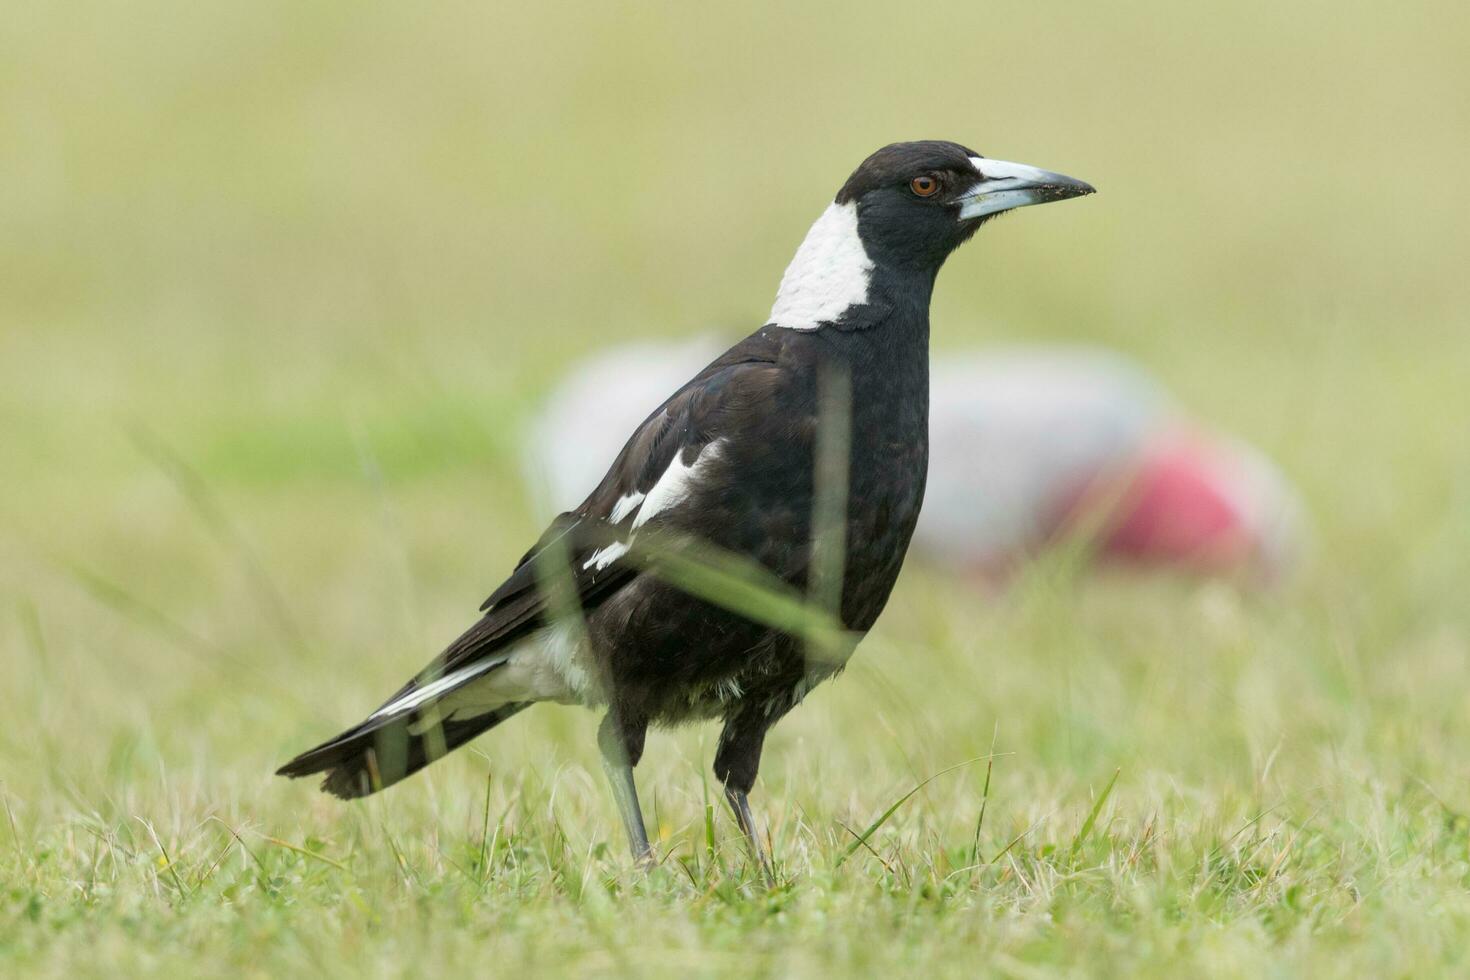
888	466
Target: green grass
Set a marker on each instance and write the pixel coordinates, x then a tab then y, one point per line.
281	285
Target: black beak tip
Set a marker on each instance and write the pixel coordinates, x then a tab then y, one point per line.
1072	188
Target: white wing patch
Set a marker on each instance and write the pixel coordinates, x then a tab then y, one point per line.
625	506
604	557
675	484
829	272
669	491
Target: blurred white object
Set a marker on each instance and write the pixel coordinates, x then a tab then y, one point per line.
1016	435
1027	445
593	411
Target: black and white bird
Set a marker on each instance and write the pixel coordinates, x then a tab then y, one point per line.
728	461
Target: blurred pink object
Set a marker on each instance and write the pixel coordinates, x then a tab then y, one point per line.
1029	446
1203	502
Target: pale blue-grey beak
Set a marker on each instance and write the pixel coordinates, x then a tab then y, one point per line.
1003	186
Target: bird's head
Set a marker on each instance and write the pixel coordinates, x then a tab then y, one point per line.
917	202
903	210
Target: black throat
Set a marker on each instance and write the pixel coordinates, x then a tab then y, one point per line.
883	348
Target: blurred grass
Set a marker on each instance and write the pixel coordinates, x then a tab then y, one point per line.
329	256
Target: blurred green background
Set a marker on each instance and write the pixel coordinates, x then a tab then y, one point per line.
280	283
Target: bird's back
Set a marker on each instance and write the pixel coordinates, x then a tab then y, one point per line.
785	391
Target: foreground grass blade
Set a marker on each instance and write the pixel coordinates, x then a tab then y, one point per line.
1087	824
304	852
862	839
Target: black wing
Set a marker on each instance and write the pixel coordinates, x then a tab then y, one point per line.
681	427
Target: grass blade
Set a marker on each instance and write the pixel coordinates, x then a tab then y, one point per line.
308	853
984	797
168	862
862	839
1087	824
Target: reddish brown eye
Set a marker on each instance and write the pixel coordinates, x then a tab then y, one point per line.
924	186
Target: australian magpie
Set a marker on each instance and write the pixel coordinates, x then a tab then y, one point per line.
730	462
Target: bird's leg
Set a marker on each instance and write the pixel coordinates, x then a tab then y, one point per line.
622	747
736	762
740	803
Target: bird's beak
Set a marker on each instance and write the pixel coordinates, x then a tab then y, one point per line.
1003	186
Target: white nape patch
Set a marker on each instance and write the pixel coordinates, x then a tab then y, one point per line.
429	691
625	506
676	483
830	272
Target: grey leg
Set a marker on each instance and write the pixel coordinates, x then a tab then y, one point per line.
740	804
736	761
618	758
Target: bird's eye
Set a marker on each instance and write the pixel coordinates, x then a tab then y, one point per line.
924	186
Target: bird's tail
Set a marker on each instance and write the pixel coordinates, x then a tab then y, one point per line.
381	751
